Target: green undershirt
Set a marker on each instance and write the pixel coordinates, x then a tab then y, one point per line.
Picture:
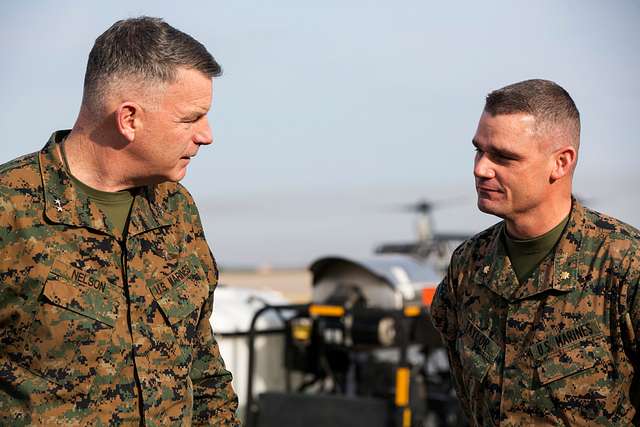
526	255
116	206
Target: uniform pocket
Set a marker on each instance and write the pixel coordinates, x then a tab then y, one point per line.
477	351
181	294
72	327
477	354
565	363
581	380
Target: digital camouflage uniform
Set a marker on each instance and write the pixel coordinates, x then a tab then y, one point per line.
94	331
559	349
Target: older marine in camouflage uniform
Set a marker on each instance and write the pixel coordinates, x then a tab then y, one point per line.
102	326
560	346
76	330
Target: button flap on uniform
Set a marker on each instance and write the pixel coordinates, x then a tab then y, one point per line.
478	352
182	291
81	292
573	359
479	341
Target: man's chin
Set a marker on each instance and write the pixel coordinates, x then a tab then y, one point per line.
178	175
489	207
174	176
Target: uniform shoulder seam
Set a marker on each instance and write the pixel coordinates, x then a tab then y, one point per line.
477	238
19	162
606	224
183	190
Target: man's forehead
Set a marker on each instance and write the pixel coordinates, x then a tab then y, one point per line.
524	122
189	80
506	126
509	133
193	91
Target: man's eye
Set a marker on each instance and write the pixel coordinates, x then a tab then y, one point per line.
501	158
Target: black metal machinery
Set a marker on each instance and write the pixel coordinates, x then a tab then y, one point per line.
359	353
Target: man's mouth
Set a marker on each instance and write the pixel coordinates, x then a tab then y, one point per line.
488	189
487	186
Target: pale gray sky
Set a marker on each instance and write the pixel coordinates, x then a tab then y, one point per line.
330	114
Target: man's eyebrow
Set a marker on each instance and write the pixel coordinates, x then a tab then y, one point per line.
195	114
503	152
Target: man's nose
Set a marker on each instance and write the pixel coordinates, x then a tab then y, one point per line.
203	135
482	167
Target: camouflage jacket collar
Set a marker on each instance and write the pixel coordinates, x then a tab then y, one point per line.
65	205
557	271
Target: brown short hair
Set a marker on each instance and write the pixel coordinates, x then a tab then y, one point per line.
546	101
143	48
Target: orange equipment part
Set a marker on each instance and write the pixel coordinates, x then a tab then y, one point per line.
427	295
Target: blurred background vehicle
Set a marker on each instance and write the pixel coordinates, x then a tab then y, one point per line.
355	348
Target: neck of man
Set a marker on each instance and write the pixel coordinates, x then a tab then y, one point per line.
96	156
543	218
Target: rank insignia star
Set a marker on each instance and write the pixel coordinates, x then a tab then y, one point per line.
565	275
58	205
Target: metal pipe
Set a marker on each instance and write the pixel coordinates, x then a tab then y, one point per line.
251	407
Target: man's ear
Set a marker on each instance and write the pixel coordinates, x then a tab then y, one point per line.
129	117
564	162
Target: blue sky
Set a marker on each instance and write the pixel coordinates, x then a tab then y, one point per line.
330	114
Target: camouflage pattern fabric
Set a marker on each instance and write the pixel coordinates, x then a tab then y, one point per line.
558	349
99	331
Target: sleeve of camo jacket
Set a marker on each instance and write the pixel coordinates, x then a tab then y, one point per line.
443	314
631	320
214	401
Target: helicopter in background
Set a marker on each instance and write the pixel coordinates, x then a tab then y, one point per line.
433	247
430	246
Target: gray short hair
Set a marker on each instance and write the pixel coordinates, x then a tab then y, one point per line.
145	49
546	101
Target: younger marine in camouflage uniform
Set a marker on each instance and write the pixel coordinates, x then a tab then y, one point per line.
102	326
557	349
559	346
